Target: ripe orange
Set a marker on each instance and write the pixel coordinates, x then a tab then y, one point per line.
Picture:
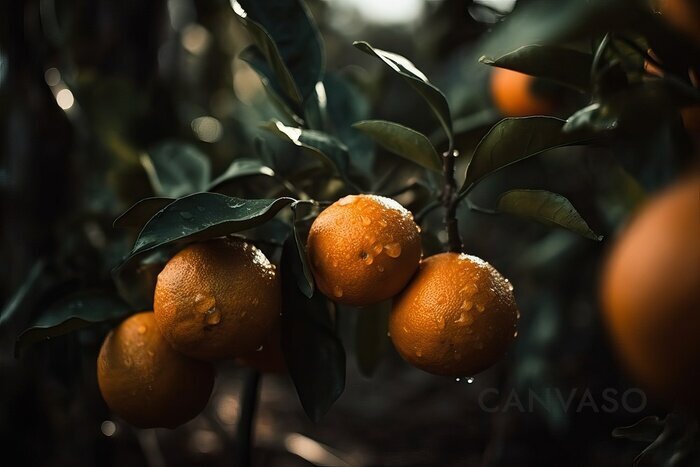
456	317
363	249
512	94
651	293
217	299
147	383
683	15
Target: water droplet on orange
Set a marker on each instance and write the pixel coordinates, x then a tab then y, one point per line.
480	307
212	316
337	291
346	200
366	220
393	250
377	248
380	268
467	305
464	319
383	222
441	323
419	353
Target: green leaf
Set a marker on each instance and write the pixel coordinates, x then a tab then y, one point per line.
136	281
514	139
301	267
176	169
285	33
371	340
329	150
137	215
646	429
314	354
402	141
566	66
240	168
545	207
202	216
418	81
70	314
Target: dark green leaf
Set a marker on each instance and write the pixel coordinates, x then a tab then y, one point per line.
402	141
137	215
202	216
647	430
290	108
301	267
371	340
566	66
418	81
21	301
238	169
313	352
515	139
547	208
177	169
136	281
285	33
73	313
330	151
346	104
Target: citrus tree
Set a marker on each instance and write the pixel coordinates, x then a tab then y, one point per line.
256	264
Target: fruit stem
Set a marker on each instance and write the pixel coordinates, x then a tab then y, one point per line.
450	200
244	430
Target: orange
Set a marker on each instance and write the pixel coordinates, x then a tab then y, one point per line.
651	293
217	299
363	249
682	15
147	383
457	317
512	94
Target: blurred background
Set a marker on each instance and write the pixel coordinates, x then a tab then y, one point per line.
88	88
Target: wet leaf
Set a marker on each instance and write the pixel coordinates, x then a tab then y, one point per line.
402	141
550	209
202	216
70	314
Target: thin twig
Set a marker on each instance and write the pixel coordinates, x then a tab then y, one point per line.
450	201
244	429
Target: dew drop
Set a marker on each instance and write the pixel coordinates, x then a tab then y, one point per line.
405	329
127	362
515	334
377	248
346	200
419	353
470	288
204	303
480	307
212	316
510	287
369	259
470	380
463	320
142	329
259	349
393	250
335	263
337	291
441	323
467	305
388	334
380	268
186	215
366	220
383	222
418	229
256	300
458	380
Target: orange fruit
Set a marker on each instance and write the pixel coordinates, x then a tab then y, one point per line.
457	317
363	249
144	381
217	299
651	293
682	15
513	96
